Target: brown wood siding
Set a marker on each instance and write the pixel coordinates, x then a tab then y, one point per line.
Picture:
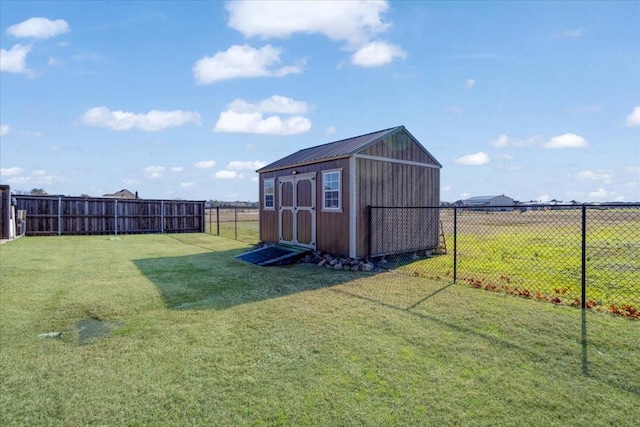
399	146
389	184
332	228
268	218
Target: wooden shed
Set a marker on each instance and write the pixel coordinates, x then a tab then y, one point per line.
319	197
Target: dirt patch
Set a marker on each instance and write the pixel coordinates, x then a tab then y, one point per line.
90	330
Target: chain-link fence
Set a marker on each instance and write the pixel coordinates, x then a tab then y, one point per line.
239	223
582	255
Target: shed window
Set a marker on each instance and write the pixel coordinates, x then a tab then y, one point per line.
269	192
331	190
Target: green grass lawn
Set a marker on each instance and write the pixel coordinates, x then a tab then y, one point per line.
543	256
196	337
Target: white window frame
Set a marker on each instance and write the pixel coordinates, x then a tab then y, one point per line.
272	194
325	174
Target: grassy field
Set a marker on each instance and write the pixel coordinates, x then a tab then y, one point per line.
188	335
239	224
539	254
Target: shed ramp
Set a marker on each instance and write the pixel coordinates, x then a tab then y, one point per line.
274	255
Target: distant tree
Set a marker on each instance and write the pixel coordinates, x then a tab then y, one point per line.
38	192
20	192
84	195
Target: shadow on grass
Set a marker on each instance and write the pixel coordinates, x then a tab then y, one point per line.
217	280
609	378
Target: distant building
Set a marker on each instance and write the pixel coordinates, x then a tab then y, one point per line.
122	194
493	203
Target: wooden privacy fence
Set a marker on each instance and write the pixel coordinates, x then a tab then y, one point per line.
65	215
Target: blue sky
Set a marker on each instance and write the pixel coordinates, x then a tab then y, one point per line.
535	100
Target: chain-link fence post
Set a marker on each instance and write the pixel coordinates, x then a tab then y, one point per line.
585	363
217	220
584	258
455	244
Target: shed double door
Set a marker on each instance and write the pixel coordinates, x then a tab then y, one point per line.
297	210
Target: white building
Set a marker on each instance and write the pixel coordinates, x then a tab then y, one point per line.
494	203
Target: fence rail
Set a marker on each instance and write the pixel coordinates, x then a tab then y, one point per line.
582	255
64	215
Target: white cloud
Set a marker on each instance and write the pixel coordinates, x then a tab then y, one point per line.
187	184
176	169
15	59
225	174
154	172
205	164
504	141
236	165
330	130
480	158
4	130
244	117
274	104
39	28
231	121
241	62
567	140
355	22
38	177
10	171
526	142
152	121
499	142
470	83
633	119
454	109
377	53
601	194
605	176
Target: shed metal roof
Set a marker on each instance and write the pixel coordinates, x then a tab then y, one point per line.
334	150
